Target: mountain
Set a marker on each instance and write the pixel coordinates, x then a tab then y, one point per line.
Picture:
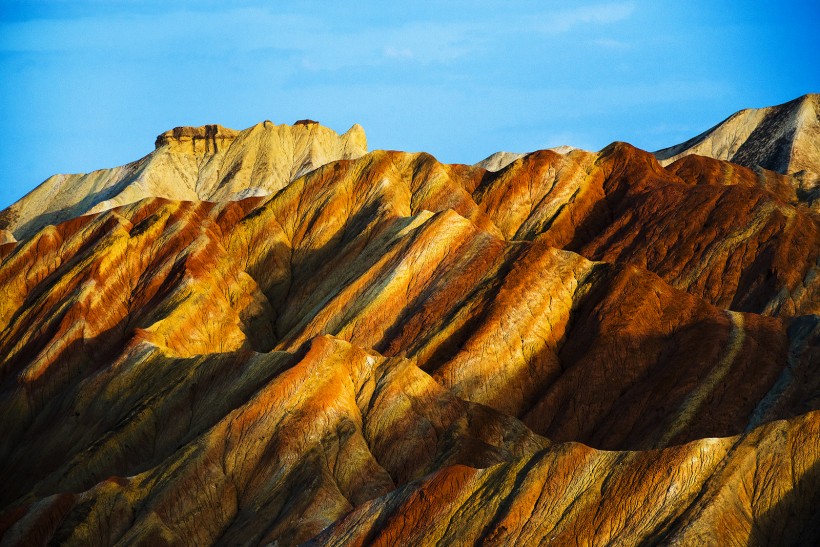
783	138
578	347
209	163
500	160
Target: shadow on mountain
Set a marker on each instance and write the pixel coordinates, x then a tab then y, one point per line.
795	519
62	441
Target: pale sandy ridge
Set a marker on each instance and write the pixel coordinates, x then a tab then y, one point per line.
500	160
783	138
208	163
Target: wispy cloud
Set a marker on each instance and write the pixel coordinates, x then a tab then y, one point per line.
231	29
398	53
316	42
567	19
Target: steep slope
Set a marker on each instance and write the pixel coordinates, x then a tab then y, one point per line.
338	427
570	495
392	350
317	435
783	138
708	231
190	163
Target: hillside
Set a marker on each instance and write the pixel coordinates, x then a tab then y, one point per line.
382	349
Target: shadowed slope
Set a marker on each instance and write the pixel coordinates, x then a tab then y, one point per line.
338	427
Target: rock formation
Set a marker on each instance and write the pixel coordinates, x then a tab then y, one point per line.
576	348
783	138
210	163
498	161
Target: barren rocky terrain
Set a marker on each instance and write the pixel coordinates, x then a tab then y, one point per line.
783	138
273	337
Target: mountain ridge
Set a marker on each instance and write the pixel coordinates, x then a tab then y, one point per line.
201	165
389	349
782	138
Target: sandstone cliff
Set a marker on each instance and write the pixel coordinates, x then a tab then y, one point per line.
190	163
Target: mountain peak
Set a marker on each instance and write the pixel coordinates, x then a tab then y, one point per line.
783	138
209	162
355	138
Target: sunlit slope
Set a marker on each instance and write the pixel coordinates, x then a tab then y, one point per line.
783	138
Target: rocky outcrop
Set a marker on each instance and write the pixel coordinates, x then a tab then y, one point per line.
209	163
500	160
199	141
578	347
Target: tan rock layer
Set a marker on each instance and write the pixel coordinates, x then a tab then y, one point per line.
190	163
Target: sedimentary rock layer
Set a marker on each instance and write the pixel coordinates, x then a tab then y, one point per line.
700	493
577	347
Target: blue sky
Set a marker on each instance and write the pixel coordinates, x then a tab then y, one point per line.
89	84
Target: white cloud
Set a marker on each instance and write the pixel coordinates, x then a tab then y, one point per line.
244	29
313	42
